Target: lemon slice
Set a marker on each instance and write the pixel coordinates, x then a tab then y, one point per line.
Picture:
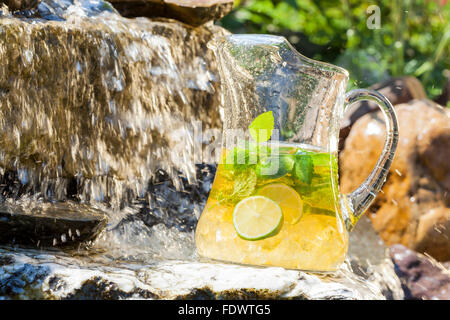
256	218
287	198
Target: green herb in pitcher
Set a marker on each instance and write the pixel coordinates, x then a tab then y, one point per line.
274	206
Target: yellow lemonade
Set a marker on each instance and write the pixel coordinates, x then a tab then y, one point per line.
275	209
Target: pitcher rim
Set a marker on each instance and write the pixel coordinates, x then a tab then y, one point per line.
252	36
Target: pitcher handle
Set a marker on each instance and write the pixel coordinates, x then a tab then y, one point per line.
356	203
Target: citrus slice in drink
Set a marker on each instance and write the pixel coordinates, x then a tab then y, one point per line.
287	198
257	217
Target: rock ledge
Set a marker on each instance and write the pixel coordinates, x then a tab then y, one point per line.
37	275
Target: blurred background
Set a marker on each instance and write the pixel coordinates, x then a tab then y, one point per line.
408	37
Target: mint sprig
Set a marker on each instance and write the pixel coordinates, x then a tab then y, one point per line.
262	126
303	169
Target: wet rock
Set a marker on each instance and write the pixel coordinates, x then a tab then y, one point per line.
397	90
6	260
22	281
421	277
61	10
369	259
14	5
192	12
49	225
368	274
34	274
174	208
413	207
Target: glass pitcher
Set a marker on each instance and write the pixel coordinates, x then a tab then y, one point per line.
275	199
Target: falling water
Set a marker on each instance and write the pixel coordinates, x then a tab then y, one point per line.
97	109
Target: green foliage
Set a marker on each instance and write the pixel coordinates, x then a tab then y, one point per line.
414	38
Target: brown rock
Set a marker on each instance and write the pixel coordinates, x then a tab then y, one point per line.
429	230
14	5
192	12
421	277
413	207
397	90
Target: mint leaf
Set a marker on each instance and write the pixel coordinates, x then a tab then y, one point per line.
244	184
275	167
303	169
240	158
262	126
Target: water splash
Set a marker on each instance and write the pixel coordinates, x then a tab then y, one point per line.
92	104
99	109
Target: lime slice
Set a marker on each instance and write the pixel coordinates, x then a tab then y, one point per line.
287	198
256	218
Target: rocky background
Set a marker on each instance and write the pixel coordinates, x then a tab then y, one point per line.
413	209
411	215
